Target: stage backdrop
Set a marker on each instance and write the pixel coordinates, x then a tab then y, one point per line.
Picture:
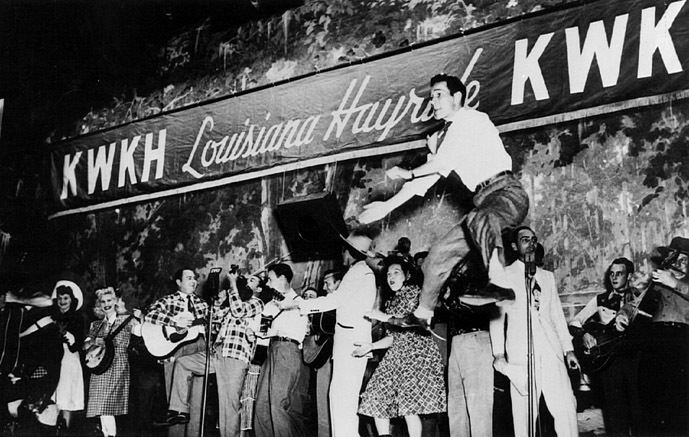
549	67
590	100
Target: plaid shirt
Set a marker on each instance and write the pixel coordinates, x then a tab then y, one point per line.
164	309
237	338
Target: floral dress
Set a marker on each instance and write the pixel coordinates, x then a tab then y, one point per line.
409	379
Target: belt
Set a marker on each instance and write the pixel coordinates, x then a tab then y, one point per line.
344	326
672	324
492	179
287	339
469	331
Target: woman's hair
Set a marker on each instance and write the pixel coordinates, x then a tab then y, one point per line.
119	303
63	289
407	269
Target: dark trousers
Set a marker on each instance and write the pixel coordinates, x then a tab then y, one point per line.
619	384
664	381
283	393
502	204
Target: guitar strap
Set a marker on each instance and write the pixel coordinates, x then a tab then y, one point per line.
112	334
280	312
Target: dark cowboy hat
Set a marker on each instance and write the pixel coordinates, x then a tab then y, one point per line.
678	244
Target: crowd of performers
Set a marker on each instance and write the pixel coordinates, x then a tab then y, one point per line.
298	362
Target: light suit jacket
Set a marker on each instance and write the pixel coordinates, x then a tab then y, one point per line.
353	298
549	319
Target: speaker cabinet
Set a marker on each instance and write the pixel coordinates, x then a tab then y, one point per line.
312	226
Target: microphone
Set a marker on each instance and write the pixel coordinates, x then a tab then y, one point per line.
529	263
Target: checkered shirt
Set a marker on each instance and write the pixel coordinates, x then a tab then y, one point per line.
237	338
164	309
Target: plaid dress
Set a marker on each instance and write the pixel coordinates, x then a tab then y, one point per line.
409	378
109	392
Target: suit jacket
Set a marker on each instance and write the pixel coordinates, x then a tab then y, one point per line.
549	319
354	297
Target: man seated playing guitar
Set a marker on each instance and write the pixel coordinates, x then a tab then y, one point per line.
599	329
180	310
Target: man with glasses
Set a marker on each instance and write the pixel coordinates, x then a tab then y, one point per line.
552	344
469	145
618	378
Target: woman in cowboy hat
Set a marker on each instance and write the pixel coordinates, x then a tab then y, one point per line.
69	394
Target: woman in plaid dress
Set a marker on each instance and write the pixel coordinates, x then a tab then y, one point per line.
109	391
409	379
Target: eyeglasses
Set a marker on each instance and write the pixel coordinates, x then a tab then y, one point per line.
617	274
526	240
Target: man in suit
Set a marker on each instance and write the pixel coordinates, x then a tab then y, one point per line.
552	344
353	298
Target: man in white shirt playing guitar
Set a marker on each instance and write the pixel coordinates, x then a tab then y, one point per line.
181	314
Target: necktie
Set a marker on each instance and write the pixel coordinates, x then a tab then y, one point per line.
443	131
190	305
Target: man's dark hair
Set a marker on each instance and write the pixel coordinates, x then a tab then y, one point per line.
180	272
281	269
335	273
454	84
515	233
628	266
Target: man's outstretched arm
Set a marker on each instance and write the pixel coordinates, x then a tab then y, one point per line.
375	211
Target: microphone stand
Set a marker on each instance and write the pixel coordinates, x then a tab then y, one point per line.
206	371
209	330
529	272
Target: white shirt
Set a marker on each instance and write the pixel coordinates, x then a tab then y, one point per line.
472	148
288	323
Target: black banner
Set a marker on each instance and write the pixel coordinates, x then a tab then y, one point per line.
559	62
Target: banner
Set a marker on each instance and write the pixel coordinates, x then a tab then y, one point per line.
549	64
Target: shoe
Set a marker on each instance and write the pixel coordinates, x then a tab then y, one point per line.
410	322
490	294
177	418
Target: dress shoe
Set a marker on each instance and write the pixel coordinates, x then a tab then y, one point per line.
177	418
491	293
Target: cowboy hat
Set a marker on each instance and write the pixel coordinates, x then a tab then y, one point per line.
359	243
678	244
76	291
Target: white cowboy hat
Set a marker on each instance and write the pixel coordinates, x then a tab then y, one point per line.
360	244
76	291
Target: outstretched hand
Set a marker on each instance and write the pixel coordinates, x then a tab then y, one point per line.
373	212
377	315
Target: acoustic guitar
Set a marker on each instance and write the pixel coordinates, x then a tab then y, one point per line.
162	341
318	347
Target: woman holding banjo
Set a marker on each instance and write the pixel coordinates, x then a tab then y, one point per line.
106	359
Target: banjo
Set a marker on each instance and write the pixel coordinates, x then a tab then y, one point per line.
98	357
